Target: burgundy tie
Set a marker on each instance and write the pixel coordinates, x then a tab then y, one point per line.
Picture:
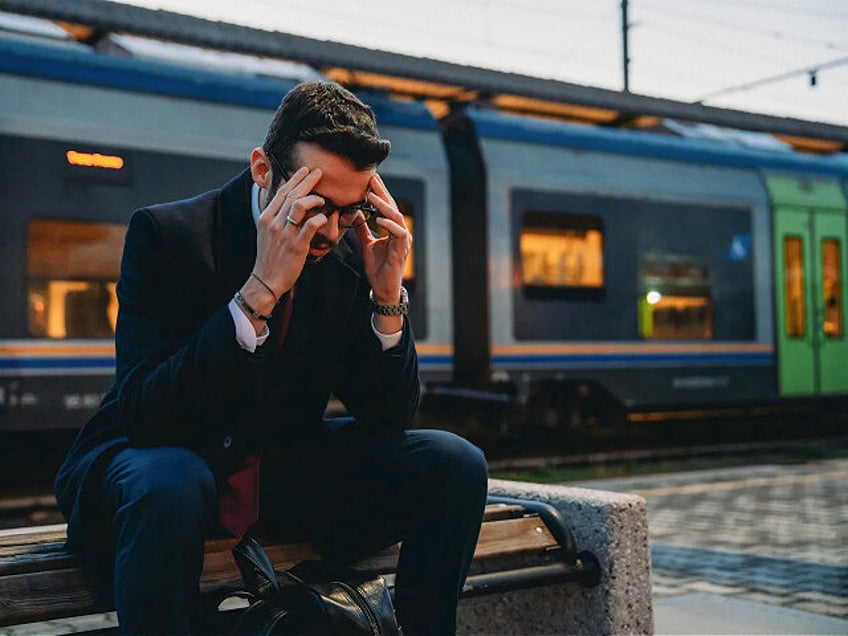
285	317
238	501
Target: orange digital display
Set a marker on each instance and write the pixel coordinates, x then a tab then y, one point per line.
94	160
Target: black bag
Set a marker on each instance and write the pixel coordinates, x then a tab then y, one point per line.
313	597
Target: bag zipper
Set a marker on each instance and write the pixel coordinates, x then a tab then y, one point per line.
363	605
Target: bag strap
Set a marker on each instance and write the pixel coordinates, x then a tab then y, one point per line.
255	567
287	579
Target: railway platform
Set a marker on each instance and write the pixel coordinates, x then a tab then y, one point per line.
758	549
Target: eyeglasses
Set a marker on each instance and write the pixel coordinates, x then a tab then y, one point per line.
350	216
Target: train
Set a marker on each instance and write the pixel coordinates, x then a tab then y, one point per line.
557	268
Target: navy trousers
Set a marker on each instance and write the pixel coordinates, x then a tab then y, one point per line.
351	496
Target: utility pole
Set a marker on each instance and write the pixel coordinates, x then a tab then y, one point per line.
625	25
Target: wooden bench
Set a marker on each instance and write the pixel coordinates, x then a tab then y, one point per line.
521	544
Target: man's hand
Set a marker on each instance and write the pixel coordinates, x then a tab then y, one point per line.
284	232
385	257
282	242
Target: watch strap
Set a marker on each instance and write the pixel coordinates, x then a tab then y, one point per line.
399	309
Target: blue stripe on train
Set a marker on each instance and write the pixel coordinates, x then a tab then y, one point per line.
57	363
641	359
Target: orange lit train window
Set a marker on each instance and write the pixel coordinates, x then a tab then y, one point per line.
73	268
832	288
676	303
562	251
94	160
796	309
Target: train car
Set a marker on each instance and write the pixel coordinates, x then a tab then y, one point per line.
573	272
86	138
648	271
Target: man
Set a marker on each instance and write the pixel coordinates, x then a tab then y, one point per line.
241	311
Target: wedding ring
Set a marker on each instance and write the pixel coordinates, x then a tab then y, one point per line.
292	221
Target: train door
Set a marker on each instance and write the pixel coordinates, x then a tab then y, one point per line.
810	229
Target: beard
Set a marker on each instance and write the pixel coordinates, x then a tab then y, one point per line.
319	242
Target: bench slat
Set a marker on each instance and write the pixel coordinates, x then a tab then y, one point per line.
38	561
493	512
26	536
26	598
513	537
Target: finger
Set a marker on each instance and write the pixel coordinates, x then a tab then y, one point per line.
300	191
386	209
305	185
297	209
364	234
379	186
284	188
299	184
306	232
394	229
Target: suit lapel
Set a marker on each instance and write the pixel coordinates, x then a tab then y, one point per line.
235	236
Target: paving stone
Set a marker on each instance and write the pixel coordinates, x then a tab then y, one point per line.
771	534
46	628
660	590
823	598
820	608
714	588
768	597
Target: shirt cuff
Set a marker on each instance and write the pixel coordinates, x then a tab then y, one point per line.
245	333
387	341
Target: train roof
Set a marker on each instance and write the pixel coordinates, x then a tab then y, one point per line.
39	48
727	152
440	82
71	62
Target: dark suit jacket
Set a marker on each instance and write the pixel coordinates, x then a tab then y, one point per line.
182	378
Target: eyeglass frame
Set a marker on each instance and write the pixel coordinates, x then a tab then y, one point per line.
368	210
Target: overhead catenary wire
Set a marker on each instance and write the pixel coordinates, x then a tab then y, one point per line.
707	41
674	13
771	6
810	70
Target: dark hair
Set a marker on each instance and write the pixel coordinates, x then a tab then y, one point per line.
331	116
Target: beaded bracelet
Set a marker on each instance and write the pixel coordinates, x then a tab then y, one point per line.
266	286
241	302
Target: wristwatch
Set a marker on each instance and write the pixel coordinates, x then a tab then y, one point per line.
401	309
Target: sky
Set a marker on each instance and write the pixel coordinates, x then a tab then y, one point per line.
687	50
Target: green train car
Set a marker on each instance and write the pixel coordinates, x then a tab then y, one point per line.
810	286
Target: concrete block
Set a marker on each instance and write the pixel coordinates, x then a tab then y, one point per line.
614	527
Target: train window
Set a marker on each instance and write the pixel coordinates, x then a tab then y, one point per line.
73	267
796	308
405	208
832	288
561	251
676	301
